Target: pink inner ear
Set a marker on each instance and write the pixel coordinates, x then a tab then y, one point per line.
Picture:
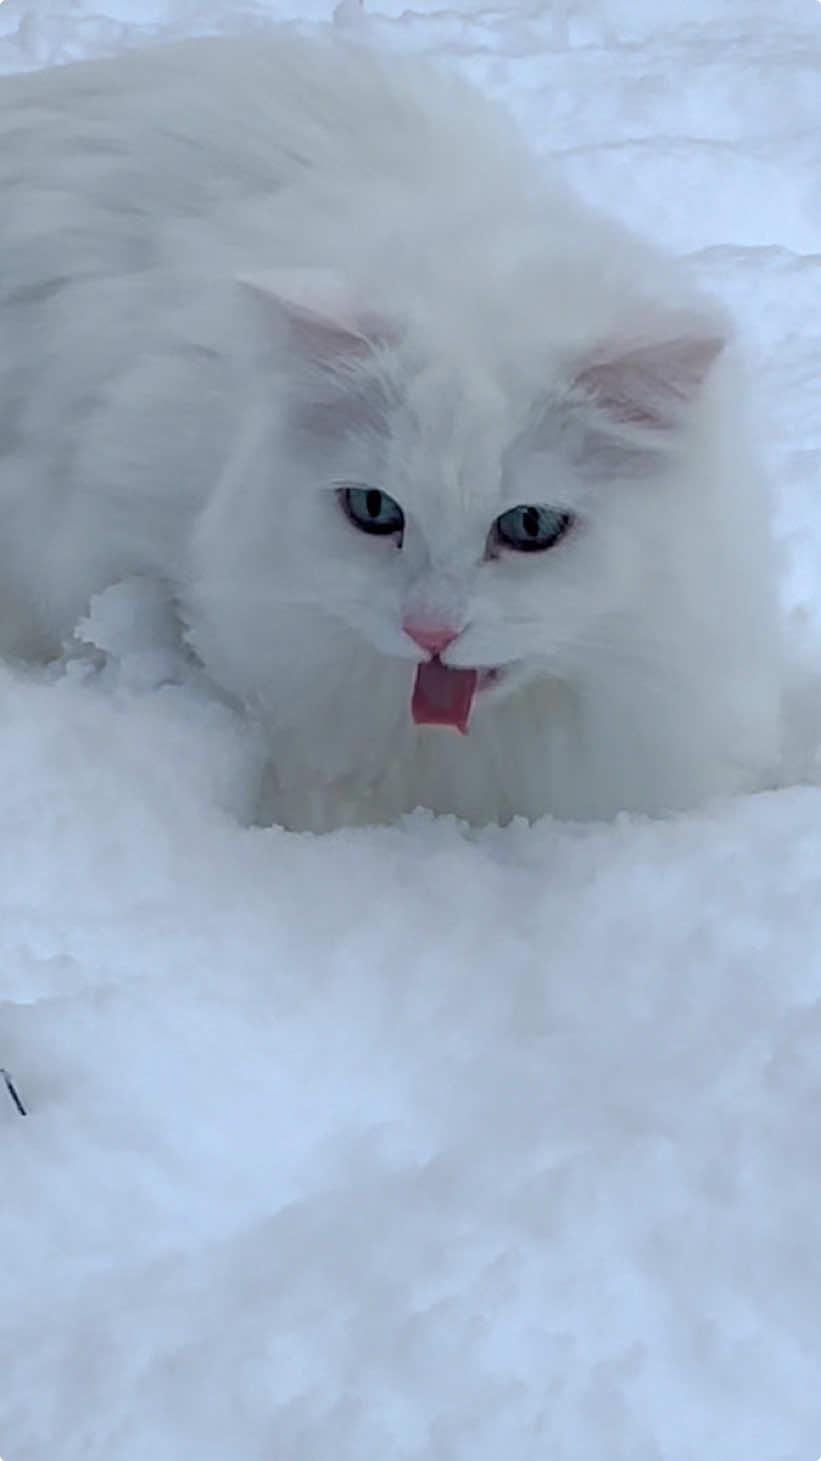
323	339
324	319
648	384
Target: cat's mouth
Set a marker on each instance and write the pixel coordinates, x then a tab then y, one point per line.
443	695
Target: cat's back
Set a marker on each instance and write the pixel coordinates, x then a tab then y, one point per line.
136	190
130	183
209	125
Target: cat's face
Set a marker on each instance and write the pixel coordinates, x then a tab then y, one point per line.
456	529
474	524
470	519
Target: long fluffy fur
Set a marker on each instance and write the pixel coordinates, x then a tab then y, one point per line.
167	410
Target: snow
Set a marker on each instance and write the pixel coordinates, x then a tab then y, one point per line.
427	1144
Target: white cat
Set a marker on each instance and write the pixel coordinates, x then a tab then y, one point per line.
420	444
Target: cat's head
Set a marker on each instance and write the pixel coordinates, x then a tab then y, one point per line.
474	510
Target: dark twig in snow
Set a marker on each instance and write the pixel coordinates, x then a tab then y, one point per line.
12	1092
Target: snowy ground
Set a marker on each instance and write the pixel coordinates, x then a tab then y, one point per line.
423	1144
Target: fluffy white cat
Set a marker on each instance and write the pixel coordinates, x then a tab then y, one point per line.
420	444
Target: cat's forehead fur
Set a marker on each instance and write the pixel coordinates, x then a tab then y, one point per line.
450	428
455	391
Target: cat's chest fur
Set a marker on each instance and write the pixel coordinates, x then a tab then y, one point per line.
552	749
518	759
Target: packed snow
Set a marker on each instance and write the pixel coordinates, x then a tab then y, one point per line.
423	1143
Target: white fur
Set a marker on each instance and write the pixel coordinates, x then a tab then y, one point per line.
237	272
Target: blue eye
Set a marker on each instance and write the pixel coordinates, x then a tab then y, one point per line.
531	529
372	511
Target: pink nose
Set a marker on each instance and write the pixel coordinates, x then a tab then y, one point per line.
432	637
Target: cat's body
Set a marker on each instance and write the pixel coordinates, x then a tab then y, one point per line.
240	277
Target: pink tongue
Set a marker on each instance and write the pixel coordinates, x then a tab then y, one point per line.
442	696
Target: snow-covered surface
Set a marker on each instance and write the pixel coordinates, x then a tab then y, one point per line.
424	1144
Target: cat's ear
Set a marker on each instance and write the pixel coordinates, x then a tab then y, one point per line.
650	382
323	318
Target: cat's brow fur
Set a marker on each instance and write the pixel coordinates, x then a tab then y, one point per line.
501	344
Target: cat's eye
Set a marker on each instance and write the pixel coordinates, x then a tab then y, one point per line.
372	511
529	529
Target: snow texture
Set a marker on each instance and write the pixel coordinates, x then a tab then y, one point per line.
425	1144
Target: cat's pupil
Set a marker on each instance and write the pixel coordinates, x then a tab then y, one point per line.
531	521
373	502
